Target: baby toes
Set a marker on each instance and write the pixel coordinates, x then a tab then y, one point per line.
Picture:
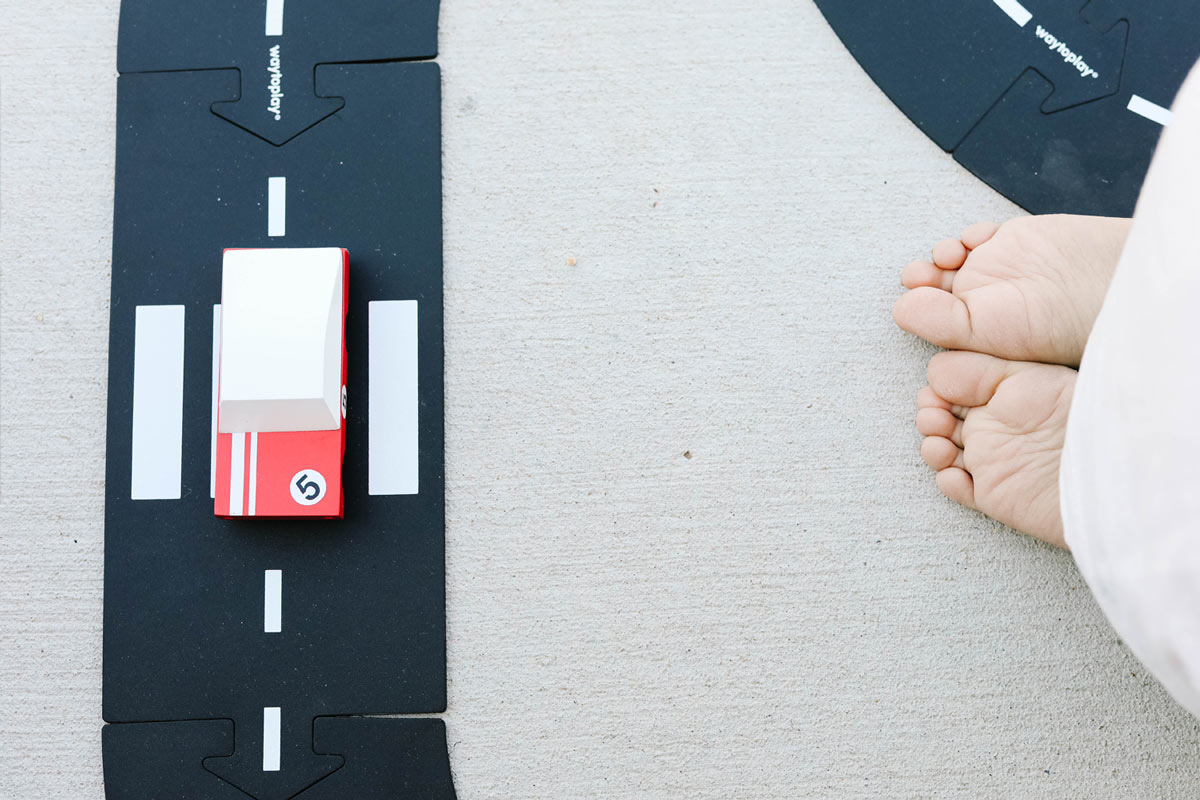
940	422
936	316
969	379
941	453
978	233
924	273
958	485
949	254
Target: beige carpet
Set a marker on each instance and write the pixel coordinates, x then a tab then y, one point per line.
692	549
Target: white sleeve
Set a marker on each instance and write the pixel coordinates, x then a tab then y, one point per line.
1130	476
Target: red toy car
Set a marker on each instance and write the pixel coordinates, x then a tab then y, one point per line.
281	387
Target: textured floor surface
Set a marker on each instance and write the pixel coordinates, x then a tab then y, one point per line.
692	549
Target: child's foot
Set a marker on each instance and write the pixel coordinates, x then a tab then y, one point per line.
1029	289
994	433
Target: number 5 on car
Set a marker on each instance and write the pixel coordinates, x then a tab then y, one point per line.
281	383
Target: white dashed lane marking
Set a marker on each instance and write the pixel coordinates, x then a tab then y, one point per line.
274	17
1151	111
1017	12
276	207
156	460
273	601
271	716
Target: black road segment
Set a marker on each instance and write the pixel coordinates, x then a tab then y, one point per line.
1039	98
188	669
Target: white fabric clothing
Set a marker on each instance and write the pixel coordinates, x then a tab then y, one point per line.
1130	476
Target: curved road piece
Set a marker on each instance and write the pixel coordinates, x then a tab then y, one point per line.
1057	104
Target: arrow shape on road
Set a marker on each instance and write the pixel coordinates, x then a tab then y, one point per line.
1083	64
279	100
274	760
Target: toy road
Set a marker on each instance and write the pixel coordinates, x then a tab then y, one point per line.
1055	104
244	655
